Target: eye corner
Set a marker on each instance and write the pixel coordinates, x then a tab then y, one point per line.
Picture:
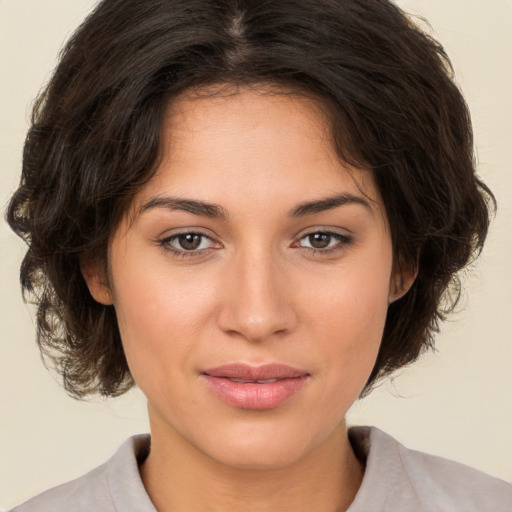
329	241
172	244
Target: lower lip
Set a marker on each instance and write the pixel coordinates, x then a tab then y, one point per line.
253	395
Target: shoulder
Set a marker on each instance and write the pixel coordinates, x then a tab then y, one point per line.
90	490
115	485
397	478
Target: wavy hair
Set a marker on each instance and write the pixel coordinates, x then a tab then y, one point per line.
391	100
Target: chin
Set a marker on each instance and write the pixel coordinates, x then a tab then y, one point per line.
255	457
264	447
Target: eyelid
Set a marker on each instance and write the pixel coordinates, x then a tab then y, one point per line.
165	242
328	230
334	236
343	239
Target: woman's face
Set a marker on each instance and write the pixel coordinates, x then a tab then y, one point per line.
251	280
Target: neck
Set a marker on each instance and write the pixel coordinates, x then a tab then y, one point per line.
179	477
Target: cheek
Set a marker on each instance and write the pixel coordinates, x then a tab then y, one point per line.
160	315
346	323
149	294
350	319
355	301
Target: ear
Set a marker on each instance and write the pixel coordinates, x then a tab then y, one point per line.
402	279
95	276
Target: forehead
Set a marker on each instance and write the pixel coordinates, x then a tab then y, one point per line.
247	119
261	144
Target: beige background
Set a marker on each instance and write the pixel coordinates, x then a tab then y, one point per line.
457	403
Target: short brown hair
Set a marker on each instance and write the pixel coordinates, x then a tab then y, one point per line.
393	106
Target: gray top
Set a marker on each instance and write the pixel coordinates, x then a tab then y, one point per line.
396	479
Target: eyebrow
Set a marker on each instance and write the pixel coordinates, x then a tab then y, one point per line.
216	211
187	205
328	203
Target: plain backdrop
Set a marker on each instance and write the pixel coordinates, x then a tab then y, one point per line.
456	403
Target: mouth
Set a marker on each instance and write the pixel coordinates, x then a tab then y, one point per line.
255	387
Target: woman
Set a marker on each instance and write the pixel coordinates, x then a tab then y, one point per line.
252	210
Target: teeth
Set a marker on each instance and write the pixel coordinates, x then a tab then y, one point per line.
267	381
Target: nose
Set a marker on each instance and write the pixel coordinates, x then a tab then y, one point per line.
257	300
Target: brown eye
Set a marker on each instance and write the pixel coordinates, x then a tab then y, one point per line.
189	241
324	241
319	240
188	244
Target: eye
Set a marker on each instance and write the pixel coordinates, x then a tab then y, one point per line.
190	241
324	241
187	244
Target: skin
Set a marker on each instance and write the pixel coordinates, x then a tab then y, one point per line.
253	291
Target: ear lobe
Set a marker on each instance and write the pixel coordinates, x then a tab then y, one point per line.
401	281
95	276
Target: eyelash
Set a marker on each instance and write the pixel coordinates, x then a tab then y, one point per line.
343	242
165	244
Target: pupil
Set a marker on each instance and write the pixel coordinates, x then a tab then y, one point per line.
319	240
190	241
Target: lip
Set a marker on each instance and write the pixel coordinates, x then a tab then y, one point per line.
255	387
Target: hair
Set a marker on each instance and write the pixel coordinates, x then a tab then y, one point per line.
393	108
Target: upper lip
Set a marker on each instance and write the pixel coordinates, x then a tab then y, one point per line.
250	372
